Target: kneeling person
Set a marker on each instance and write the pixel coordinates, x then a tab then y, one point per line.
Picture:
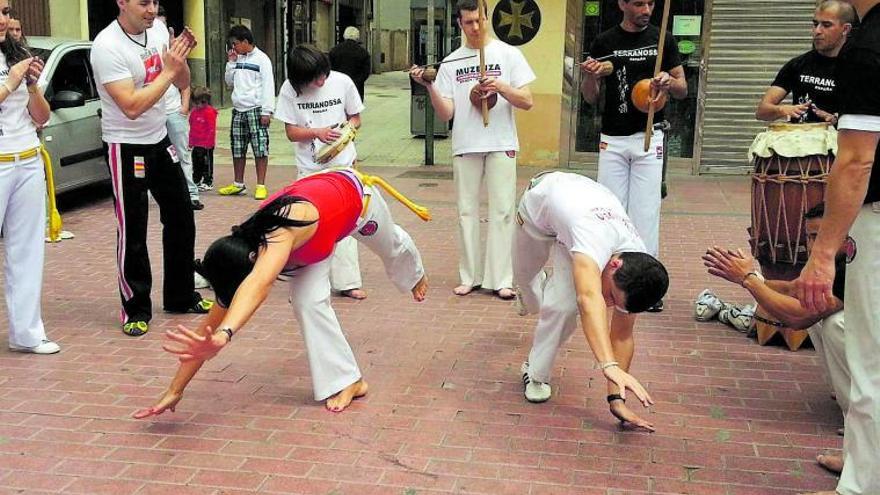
778	299
599	262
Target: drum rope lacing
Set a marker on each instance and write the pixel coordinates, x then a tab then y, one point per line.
805	177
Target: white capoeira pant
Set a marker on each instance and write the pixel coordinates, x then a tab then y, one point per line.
552	298
331	360
499	171
560	214
828	337
634	176
23	218
345	269
861	441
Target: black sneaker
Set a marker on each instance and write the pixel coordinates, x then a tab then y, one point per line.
657	308
202	306
197	205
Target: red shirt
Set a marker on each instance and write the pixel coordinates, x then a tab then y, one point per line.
203	127
339	201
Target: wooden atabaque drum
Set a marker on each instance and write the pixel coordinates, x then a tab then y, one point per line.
791	167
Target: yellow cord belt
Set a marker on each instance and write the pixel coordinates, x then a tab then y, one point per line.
375	180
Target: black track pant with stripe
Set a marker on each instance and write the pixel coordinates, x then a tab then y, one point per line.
134	170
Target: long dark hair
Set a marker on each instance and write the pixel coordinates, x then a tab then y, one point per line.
231	258
13	50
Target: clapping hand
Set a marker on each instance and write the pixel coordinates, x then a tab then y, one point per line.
732	266
34	70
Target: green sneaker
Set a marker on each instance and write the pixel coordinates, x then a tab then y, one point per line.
135	328
202	306
232	190
261	192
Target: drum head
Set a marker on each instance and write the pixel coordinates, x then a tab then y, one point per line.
330	151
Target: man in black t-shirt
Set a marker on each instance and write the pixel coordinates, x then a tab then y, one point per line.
809	78
853	205
632	174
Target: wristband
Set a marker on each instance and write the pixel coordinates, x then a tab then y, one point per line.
609	364
746	277
613	397
228	331
8	88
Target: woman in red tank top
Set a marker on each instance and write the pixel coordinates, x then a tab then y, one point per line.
292	232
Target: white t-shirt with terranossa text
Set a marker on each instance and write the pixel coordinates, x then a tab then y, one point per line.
320	107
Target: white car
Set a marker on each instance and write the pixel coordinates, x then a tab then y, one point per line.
73	133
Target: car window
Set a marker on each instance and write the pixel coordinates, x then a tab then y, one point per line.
73	73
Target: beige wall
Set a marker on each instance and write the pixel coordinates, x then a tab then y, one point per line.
69	19
540	128
324	26
395	14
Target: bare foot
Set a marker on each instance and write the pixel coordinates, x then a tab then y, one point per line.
168	401
627	417
420	289
833	463
505	294
343	398
463	290
357	294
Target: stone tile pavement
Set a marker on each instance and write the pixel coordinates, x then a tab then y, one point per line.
445	413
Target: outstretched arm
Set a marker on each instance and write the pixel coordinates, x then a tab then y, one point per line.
193	348
776	297
624	344
185	371
594	319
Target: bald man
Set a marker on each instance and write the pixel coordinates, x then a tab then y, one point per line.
809	78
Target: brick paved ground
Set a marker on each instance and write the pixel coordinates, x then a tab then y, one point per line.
445	413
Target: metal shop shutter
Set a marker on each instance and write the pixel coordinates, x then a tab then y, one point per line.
750	41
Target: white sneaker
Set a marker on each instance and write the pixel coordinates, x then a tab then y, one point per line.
200	281
742	319
707	306
534	391
44	347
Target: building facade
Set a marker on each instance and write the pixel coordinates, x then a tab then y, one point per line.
731	50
